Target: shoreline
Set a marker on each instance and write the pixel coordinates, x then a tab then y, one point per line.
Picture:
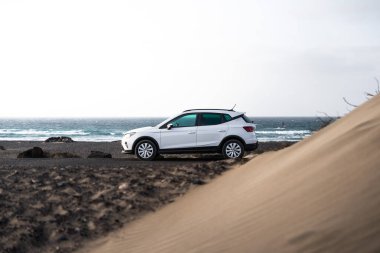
83	149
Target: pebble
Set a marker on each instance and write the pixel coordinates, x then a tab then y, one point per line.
123	186
91	225
60	184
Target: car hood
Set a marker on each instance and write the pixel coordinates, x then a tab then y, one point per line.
141	129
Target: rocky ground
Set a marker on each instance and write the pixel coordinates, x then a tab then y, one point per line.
54	205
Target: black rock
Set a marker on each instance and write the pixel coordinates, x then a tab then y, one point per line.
35	152
60	139
99	154
198	181
63	237
2	148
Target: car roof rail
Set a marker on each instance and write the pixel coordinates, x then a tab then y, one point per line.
231	110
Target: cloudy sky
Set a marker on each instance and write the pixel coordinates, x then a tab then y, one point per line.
91	58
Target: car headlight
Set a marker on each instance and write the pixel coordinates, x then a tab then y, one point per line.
129	135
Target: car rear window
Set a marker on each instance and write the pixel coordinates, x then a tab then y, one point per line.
246	119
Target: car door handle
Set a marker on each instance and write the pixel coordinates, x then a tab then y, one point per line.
221	131
191	133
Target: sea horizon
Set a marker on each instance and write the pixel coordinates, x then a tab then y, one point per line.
112	129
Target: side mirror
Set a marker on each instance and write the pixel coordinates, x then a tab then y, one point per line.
169	126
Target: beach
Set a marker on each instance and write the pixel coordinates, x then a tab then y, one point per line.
59	204
319	195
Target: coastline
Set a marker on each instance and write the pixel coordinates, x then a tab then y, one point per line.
84	148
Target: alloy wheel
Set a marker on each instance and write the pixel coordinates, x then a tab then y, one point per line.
233	150
145	150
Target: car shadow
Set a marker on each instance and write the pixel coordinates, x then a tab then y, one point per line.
190	158
179	158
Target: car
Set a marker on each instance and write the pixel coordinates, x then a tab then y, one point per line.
222	131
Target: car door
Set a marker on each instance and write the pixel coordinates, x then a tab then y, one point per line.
183	134
211	129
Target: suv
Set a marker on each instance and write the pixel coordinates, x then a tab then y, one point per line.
194	131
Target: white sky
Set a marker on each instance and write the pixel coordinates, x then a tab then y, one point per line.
92	58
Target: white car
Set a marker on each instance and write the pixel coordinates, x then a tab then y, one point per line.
194	131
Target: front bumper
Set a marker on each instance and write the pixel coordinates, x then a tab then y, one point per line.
126	145
251	147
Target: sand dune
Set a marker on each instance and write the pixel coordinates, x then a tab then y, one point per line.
320	195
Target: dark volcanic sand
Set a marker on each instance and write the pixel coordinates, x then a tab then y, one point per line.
53	205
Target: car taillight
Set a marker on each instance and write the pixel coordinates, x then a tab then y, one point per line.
249	128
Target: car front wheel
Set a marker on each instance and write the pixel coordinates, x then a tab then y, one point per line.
233	149
146	150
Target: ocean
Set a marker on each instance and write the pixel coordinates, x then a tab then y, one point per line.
107	129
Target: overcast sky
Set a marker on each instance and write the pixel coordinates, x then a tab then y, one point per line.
156	58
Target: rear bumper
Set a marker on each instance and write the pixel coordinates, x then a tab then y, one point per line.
251	147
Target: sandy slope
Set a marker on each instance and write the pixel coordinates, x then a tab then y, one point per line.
321	195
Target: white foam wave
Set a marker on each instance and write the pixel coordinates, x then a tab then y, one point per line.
79	138
284	138
34	132
286	132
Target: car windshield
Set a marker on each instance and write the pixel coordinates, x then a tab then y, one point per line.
159	124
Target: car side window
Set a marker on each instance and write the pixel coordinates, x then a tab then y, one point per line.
209	119
227	117
188	120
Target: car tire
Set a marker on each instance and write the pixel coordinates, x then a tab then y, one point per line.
233	149
146	150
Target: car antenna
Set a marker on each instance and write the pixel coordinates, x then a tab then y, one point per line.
233	108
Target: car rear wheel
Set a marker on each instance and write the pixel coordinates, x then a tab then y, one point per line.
146	150
233	149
